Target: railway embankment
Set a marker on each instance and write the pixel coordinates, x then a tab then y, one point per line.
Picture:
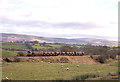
53	59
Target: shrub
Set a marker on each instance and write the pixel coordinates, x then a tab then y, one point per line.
83	77
113	56
101	59
29	46
91	56
20	54
67	48
112	74
119	73
36	49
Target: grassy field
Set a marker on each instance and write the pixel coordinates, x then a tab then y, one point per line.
41	47
11	53
52	71
15	46
55	46
47	46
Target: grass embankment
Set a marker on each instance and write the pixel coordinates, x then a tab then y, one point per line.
52	71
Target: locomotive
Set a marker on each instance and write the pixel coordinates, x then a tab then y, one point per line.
41	53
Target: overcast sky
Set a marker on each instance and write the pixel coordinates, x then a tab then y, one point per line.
60	18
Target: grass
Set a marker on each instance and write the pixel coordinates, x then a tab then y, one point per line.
115	64
11	53
47	46
78	46
55	46
50	46
15	46
52	71
40	47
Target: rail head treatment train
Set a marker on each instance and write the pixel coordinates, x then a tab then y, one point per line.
41	53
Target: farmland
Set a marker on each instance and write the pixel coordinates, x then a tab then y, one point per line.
12	49
53	71
15	46
37	68
11	53
52	46
46	46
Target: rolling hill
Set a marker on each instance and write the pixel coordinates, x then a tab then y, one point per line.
20	37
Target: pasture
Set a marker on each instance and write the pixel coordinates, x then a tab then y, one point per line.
15	46
46	46
40	47
43	71
55	46
11	53
53	71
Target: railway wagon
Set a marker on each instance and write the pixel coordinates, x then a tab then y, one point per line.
41	53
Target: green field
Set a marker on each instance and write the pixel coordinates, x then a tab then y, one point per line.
11	53
15	46
55	46
47	46
52	46
40	47
52	71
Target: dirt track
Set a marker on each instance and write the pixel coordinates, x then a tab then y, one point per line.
54	59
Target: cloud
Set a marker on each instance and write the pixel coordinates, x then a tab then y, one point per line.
42	24
59	17
77	25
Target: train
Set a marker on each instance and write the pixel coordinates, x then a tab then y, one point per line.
41	53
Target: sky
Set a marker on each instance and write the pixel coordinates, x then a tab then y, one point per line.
60	18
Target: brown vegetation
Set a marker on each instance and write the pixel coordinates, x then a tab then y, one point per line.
68	48
54	59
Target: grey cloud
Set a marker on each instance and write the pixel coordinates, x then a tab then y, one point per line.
76	36
113	22
43	24
23	23
77	25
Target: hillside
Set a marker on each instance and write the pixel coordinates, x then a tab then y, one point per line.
21	37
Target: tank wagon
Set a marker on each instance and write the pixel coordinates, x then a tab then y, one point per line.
41	53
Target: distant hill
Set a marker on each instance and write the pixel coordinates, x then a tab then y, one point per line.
20	37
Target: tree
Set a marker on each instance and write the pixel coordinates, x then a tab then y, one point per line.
35	42
67	48
29	46
36	49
